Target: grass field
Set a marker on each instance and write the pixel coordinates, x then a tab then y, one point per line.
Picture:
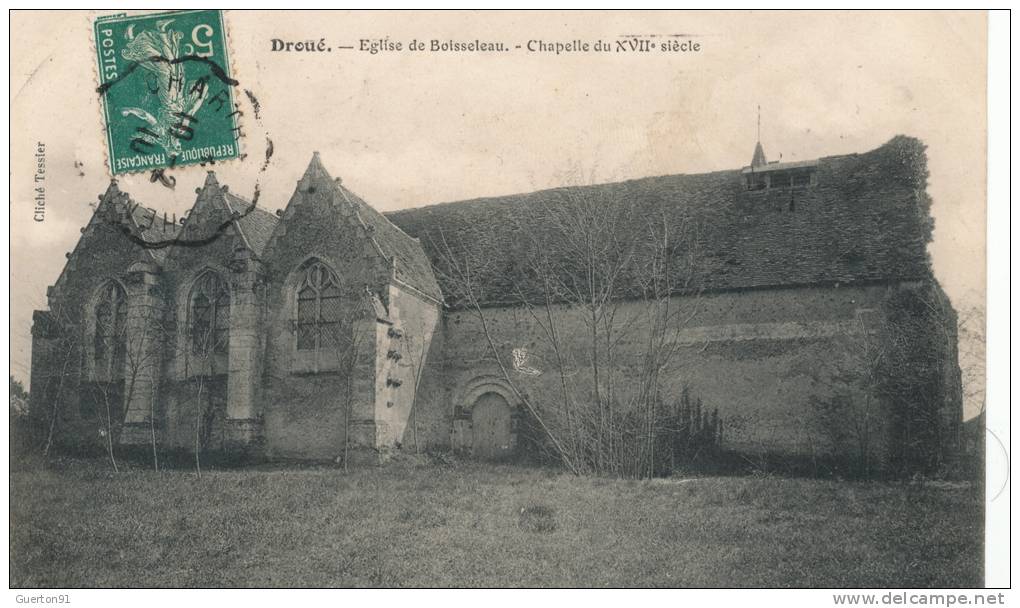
80	525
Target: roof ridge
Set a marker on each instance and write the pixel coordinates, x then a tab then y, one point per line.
106	199
264	211
410	265
227	193
368	231
545	191
235	216
364	203
252	210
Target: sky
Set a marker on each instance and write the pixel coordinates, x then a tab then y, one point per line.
408	129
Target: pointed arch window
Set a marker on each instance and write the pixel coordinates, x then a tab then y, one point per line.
110	337
319	309
210	315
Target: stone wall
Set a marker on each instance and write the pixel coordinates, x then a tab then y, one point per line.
305	395
762	357
217	387
55	385
62	336
402	351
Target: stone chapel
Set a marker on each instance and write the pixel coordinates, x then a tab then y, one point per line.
329	327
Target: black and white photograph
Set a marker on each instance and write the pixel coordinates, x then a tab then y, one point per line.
503	299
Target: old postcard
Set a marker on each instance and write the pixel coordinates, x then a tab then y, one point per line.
499	299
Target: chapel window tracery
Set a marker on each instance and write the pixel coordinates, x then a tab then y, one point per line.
210	315
319	308
110	338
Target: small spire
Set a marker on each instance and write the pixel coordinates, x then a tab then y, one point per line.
315	170
758	159
110	197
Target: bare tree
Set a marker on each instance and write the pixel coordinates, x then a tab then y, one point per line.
338	339
347	351
972	325
197	381
111	416
143	359
628	276
107	382
203	344
921	378
206	343
848	414
414	343
68	345
108	362
892	376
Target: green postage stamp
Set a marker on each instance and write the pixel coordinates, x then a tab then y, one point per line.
166	89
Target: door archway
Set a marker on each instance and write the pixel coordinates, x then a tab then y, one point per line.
491	426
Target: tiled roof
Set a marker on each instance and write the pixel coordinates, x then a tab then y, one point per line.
255	224
866	218
118	209
154	227
412	266
216	205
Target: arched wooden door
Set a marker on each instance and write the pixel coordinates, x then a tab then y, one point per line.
490	425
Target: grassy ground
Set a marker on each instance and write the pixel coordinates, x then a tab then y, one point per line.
471	525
